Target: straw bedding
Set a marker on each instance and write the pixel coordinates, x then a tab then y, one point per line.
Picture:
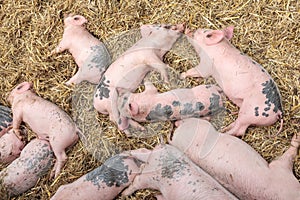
268	31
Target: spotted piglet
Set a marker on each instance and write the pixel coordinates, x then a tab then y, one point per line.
46	119
10	147
128	71
90	54
244	81
235	164
23	173
168	170
5	119
151	106
104	182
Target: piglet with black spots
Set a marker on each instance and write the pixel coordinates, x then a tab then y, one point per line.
128	71
104	182
151	106
244	81
23	173
10	147
172	173
90	53
46	119
235	164
5	119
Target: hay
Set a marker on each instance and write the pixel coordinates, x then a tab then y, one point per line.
266	30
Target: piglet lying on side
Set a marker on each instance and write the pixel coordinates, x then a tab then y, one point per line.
5	119
104	182
128	71
168	170
46	119
10	147
245	82
235	164
22	174
89	53
151	106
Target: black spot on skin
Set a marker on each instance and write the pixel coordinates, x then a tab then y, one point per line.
172	167
208	86
256	111
187	109
35	164
176	103
199	106
265	114
214	103
253	62
263	70
100	57
102	89
160	113
120	121
272	94
113	173
5	117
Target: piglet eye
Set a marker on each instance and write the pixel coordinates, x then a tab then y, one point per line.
208	35
130	106
76	18
18	88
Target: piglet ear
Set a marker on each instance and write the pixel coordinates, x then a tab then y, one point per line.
134	108
213	37
229	32
79	20
23	87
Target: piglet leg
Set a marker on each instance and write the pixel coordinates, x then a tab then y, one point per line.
191	73
74	79
149	88
287	159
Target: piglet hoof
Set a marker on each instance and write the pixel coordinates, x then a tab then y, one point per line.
296	140
182	75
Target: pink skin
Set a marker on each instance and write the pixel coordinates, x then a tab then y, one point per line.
239	76
46	119
23	173
10	147
235	164
81	44
93	185
128	71
138	106
168	170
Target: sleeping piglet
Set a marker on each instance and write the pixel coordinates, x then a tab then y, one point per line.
104	182
151	106
235	164
89	53
23	173
10	147
244	81
5	119
46	119
128	71
172	173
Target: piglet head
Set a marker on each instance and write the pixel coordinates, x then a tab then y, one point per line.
74	20
19	89
211	37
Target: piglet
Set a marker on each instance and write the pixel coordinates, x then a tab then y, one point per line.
5	119
23	173
244	81
10	147
168	170
46	119
90	54
235	164
151	106
128	71
104	182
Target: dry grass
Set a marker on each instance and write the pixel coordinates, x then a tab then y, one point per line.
264	29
